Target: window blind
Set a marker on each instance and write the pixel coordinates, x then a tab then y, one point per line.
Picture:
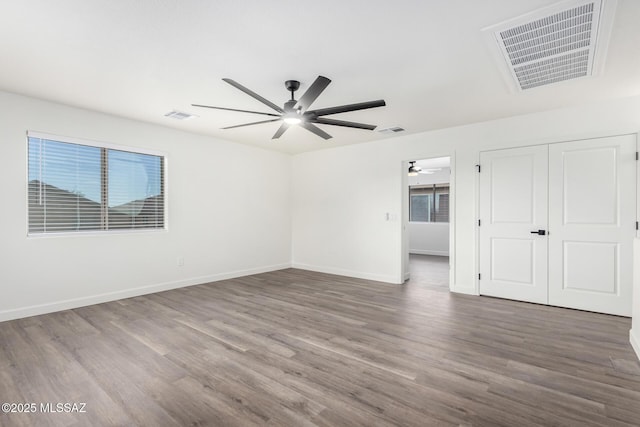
429	203
76	187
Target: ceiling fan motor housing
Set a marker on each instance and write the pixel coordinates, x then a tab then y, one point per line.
288	106
292	85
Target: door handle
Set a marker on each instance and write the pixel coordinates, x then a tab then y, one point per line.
540	232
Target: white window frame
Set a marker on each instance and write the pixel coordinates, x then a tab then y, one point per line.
108	146
434	189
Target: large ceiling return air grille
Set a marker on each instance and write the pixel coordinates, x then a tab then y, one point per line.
553	45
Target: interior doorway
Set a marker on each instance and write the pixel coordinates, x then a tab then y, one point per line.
427	222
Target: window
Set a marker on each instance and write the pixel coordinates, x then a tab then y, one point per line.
78	187
429	203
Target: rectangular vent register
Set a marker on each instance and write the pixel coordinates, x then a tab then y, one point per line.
562	42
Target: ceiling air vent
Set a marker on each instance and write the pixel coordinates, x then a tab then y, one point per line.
179	115
562	42
393	129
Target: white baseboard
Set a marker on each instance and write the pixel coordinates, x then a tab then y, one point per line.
35	310
428	252
464	290
348	273
634	338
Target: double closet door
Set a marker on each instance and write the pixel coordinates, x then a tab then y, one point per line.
557	223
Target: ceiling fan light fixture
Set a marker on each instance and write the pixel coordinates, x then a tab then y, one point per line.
292	119
292	116
413	169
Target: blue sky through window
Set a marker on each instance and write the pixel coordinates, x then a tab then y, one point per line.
76	168
132	176
71	167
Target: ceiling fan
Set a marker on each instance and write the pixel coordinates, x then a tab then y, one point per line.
415	170
296	112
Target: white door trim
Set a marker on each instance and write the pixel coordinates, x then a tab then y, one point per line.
452	215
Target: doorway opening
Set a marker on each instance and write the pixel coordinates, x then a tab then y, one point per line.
427	228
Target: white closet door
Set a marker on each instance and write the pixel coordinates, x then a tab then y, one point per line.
513	203
592	199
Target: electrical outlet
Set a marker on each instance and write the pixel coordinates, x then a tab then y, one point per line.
180	261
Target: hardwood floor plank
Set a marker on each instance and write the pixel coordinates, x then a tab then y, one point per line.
218	335
609	395
333	377
128	385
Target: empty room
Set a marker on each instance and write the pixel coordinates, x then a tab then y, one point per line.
344	213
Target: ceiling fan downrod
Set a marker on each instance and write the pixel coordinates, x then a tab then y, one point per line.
292	86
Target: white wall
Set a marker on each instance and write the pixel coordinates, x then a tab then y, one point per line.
634	334
437	177
427	238
223	222
346	221
339	218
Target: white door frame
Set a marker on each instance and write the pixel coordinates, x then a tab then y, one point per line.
404	272
544	141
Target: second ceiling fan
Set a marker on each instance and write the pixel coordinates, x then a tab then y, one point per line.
296	112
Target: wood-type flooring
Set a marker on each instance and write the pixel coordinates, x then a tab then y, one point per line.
298	348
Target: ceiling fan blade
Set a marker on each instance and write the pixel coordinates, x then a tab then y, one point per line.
325	121
350	107
253	123
254	95
315	129
280	130
316	88
234	109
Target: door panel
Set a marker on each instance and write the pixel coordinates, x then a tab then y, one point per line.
590	266
511	188
592	224
520	252
588	174
513	194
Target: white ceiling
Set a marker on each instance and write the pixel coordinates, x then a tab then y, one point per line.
141	59
434	163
